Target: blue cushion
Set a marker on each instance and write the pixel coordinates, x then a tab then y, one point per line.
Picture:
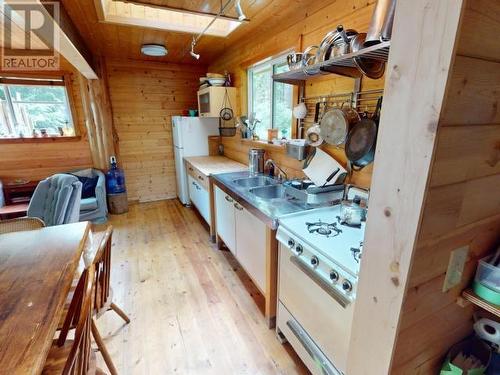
88	204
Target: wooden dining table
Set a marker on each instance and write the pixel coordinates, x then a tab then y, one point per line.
37	268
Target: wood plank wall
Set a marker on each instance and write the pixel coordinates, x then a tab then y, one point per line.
144	96
462	207
37	160
316	19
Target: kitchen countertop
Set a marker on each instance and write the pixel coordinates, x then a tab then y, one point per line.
268	210
210	165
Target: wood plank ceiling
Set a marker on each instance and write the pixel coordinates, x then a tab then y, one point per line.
119	41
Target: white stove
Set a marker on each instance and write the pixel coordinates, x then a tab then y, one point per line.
318	234
319	261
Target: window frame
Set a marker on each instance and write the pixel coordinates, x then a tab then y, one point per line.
62	80
272	61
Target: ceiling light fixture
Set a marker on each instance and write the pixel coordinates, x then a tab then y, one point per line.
241	15
155	50
192	53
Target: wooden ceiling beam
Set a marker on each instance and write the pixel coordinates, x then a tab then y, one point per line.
71	45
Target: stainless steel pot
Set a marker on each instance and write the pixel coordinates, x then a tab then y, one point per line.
381	24
256	160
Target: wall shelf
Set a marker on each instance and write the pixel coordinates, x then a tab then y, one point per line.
342	65
469	296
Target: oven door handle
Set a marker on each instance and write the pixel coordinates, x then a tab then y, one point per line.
332	292
327	368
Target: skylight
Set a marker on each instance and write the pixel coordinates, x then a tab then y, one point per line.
125	13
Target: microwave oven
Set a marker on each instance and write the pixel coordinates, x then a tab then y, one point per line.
211	100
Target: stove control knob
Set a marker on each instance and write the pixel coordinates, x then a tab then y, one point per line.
334	276
314	261
299	249
291	243
347	286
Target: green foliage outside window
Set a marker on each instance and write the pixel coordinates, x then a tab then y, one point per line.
29	109
270	101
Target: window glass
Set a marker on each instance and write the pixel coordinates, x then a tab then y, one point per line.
270	101
282	103
34	110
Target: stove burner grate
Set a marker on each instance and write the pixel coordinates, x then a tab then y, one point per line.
324	229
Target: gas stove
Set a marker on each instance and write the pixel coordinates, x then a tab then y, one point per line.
321	230
319	261
331	249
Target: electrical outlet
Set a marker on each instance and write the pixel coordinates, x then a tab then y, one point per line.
456	265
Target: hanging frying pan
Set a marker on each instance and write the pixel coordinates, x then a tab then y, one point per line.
361	140
336	123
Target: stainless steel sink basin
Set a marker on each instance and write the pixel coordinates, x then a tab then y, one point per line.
269	192
251	182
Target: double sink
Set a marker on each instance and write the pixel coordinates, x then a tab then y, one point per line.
262	187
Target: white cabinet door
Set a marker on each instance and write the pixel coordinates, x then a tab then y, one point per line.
251	246
200	198
224	219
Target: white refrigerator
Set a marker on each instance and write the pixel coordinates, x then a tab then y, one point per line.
190	139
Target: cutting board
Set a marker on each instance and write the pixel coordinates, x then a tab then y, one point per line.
321	166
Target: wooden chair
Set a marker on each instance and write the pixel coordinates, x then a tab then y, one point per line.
75	357
104	294
20	224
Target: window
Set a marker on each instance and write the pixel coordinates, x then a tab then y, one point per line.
270	101
34	108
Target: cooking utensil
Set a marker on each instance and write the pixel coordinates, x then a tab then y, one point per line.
382	19
334	44
341	46
318	166
310	59
335	124
369	67
297	148
352	213
294	60
329	178
313	136
256	161
316	112
217	81
362	139
386	33
300	111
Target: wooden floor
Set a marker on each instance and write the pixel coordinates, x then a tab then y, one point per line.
193	309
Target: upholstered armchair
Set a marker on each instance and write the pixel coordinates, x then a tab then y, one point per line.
56	200
94	208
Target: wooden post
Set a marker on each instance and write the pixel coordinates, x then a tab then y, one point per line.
422	50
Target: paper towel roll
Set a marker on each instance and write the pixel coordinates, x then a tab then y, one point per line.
488	330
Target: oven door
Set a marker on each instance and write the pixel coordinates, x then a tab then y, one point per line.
321	312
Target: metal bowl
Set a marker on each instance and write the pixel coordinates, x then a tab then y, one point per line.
294	60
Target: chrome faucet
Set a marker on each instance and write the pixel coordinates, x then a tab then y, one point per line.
282	176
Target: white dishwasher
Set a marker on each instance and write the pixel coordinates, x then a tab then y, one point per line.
200	198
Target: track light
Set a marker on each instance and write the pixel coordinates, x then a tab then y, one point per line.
192	53
195	55
241	15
